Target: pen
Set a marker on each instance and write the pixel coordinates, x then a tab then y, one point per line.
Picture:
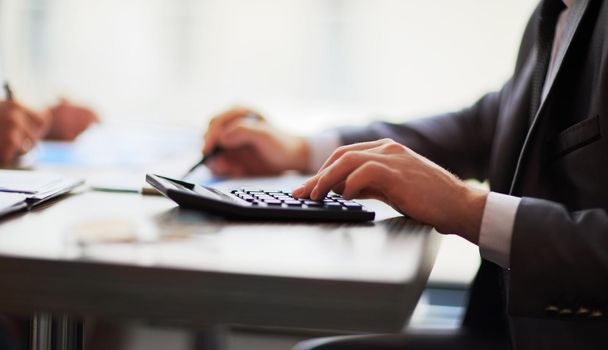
217	150
8	91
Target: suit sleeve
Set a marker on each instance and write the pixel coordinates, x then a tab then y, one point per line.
460	142
559	261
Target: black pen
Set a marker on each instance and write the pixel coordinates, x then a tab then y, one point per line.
217	150
8	91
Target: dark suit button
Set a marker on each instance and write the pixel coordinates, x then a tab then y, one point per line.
552	309
582	311
596	314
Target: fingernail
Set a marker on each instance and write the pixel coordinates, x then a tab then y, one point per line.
298	191
314	193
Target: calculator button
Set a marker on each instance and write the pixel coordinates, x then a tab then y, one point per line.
292	202
265	197
333	206
353	206
314	205
299	205
309	202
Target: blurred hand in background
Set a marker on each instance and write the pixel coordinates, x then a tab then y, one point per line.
20	129
67	121
252	148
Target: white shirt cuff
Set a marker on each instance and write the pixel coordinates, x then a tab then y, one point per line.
497	228
321	147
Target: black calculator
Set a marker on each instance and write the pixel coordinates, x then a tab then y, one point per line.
259	204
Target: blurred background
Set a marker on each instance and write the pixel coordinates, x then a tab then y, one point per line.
310	63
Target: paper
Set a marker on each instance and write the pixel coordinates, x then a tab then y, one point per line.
125	145
25	181
10	201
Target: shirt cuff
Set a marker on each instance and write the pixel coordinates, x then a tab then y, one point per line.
497	228
321	147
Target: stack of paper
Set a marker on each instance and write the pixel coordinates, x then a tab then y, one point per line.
26	189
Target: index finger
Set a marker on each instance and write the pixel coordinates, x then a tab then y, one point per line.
320	185
340	151
24	120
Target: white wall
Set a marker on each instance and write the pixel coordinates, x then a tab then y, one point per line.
309	63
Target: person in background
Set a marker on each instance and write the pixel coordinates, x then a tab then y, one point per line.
21	127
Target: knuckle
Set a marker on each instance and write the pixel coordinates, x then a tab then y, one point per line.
370	166
394	147
321	181
238	129
339	151
374	168
349	156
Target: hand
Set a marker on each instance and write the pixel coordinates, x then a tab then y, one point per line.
67	121
410	183
252	148
20	129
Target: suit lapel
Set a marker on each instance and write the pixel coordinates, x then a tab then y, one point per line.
578	10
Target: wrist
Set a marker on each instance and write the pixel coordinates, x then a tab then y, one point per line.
473	202
301	155
47	121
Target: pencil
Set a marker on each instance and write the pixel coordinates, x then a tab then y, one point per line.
8	91
217	150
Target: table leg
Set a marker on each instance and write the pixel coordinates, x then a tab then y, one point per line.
60	332
41	331
210	339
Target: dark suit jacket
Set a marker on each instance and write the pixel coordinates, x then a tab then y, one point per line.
556	291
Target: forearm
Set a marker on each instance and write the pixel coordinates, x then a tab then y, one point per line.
558	258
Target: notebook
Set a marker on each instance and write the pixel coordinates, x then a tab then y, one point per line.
23	190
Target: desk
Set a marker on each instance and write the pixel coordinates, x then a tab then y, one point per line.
131	256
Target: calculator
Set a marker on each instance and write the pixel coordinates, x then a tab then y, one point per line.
259	204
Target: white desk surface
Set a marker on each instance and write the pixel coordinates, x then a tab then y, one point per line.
127	255
132	256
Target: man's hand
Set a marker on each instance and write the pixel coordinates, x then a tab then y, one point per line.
252	148
67	121
20	129
410	183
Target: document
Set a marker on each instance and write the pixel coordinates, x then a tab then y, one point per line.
10	202
26	189
26	182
